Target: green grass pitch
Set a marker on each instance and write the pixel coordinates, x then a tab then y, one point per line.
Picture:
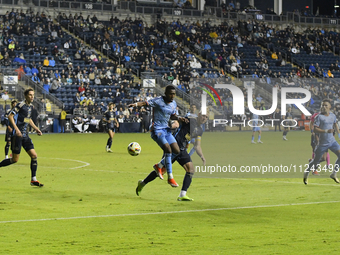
89	205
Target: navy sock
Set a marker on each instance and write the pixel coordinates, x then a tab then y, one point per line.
153	175
109	142
187	181
285	133
34	166
6	149
6	162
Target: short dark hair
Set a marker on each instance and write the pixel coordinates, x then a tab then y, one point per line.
28	91
169	87
327	100
14	101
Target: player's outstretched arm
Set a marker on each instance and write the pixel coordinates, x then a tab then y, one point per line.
137	104
198	149
35	127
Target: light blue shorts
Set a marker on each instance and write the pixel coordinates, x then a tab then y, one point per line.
163	136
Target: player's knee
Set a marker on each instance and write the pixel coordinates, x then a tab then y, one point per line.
34	156
176	150
190	171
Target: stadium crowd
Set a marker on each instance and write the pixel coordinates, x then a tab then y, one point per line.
179	52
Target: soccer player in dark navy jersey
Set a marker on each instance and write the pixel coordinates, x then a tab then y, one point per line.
111	124
8	128
19	119
185	132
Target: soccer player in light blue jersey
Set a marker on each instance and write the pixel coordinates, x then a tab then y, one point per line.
324	125
256	129
164	109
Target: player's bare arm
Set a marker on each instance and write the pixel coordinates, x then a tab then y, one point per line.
12	121
137	104
319	130
35	127
198	149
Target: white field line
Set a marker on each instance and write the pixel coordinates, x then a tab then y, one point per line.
169	212
74	160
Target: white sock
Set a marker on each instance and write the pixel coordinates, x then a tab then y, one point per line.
6	157
183	193
160	165
34	178
170	176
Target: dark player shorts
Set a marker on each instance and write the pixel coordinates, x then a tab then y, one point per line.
8	137
112	129
183	158
17	142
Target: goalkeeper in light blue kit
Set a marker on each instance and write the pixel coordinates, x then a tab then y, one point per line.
164	109
325	124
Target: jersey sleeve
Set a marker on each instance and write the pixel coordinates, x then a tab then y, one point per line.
317	121
152	102
17	108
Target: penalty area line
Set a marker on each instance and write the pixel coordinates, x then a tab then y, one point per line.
170	212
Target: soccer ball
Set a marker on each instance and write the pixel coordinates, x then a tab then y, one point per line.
134	149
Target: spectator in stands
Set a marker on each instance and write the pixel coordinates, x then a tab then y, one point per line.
97	81
56	84
330	75
46	62
55	51
5	96
312	69
52	62
46	86
35	78
69	80
81	89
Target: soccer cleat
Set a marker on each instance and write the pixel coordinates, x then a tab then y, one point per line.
284	138
333	176
259	141
315	172
158	171
252	142
139	188
172	183
305	177
108	149
36	183
185	198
